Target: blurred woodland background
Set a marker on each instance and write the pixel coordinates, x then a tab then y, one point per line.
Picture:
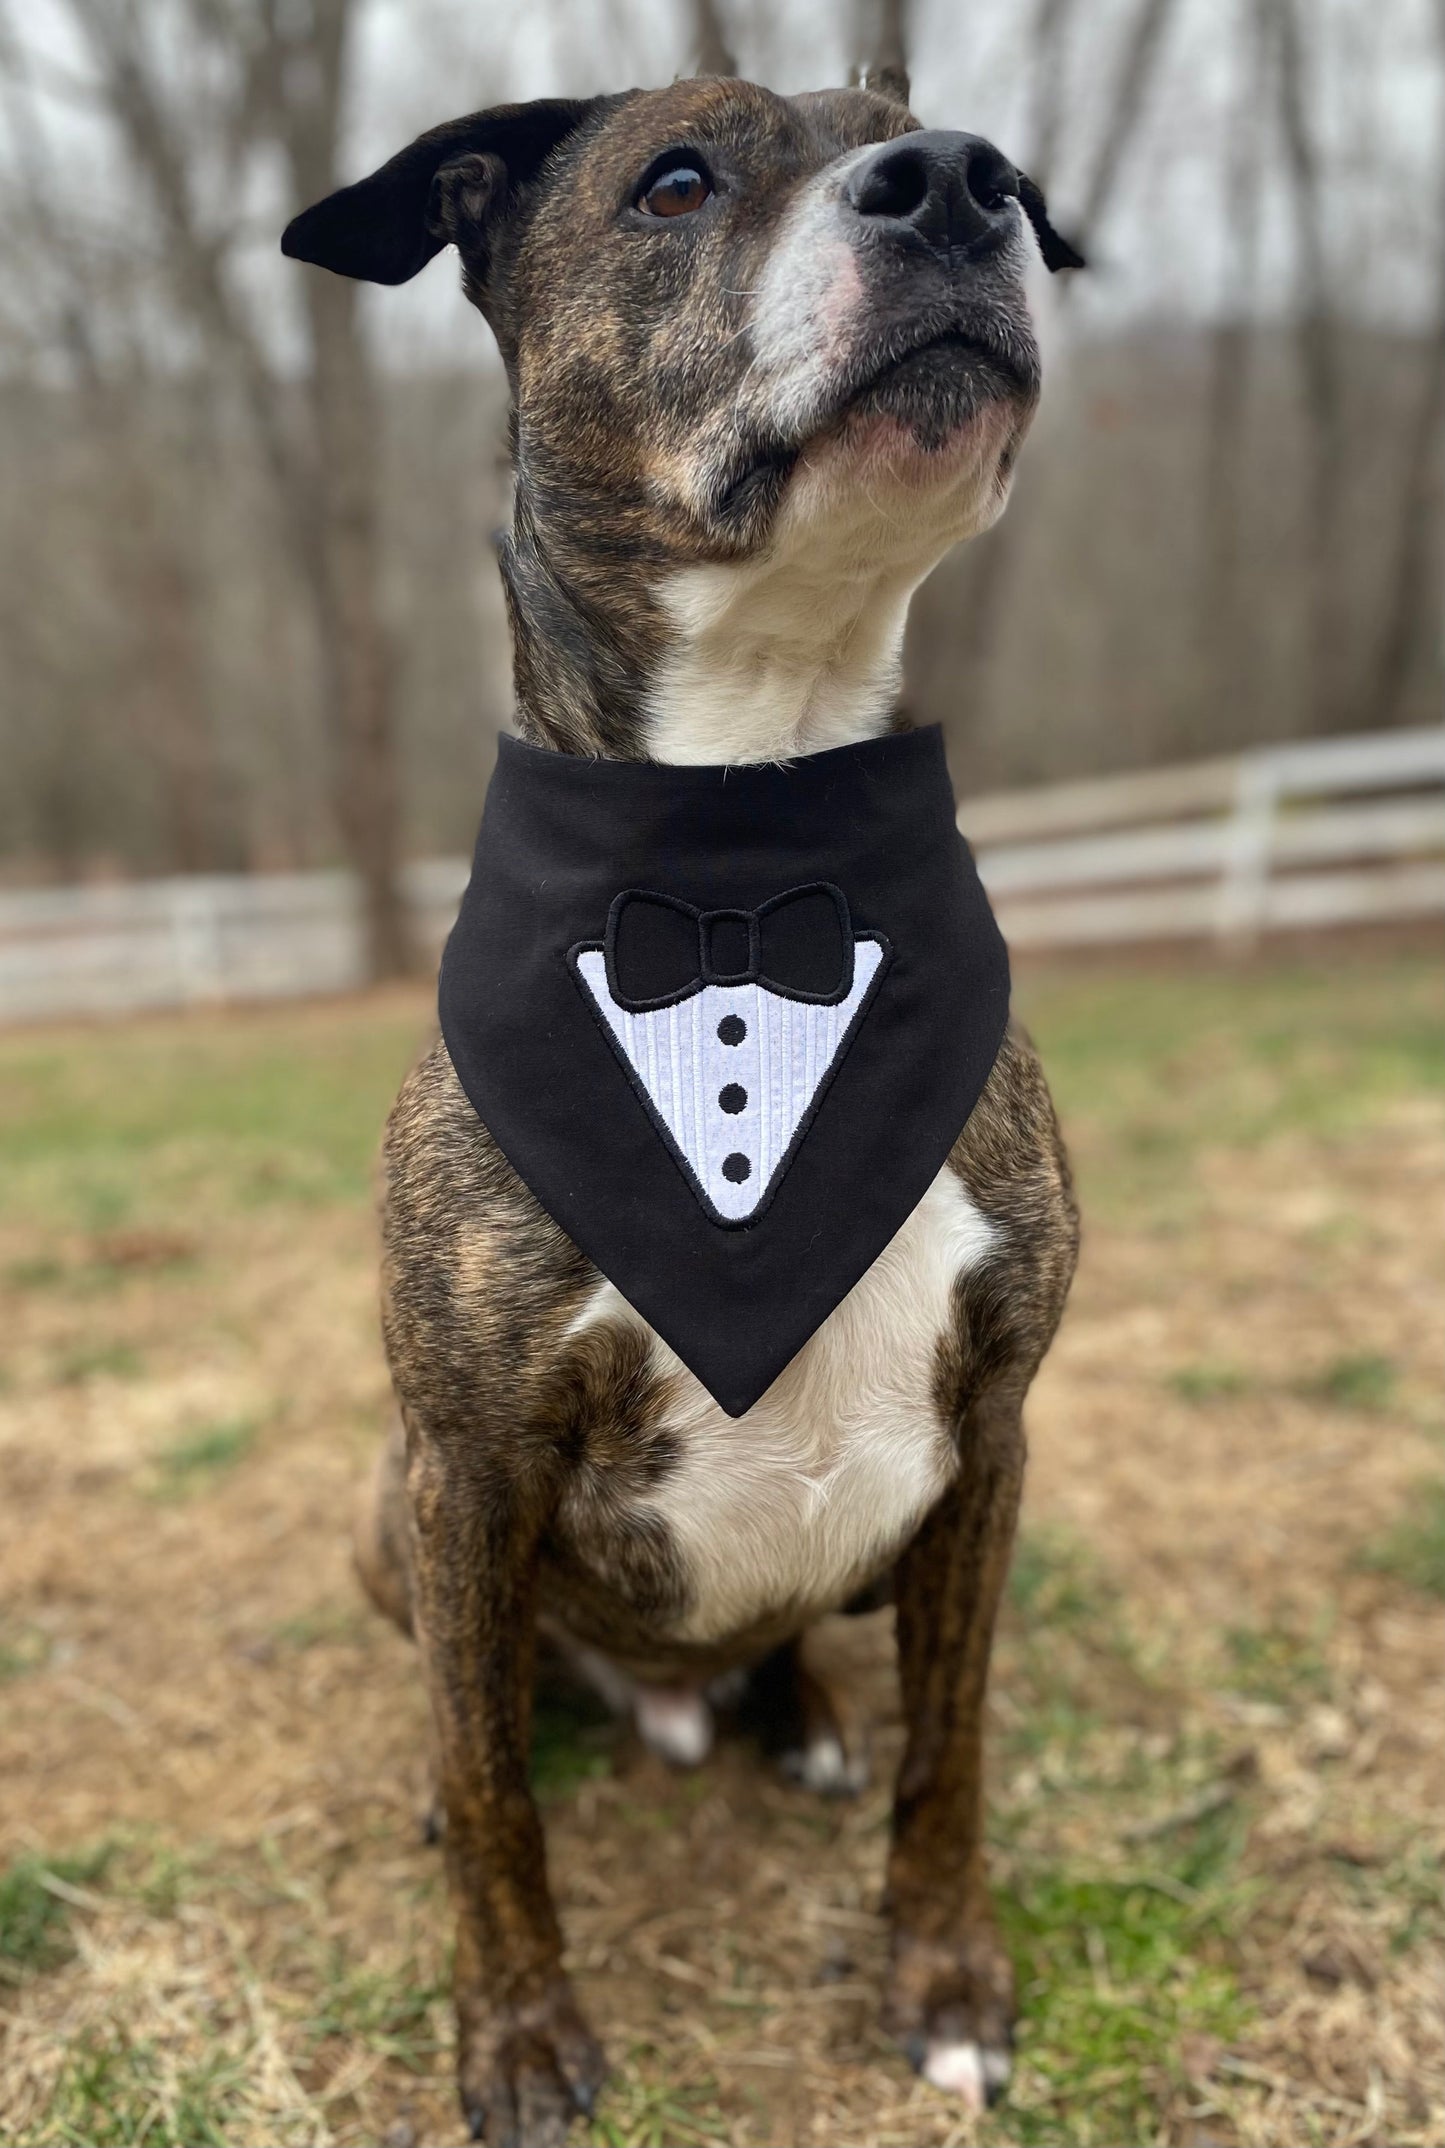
249	617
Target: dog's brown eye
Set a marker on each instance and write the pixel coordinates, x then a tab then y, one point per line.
675	192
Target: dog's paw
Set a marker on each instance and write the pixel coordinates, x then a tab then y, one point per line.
675	1722
826	1765
950	2003
977	2074
525	2072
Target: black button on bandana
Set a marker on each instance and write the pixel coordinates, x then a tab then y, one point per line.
726	1023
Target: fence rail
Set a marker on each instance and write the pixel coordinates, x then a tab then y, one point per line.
1329	832
1333	832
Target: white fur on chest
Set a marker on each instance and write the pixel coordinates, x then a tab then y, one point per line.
832	1470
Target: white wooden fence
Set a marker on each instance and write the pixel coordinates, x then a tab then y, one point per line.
1333	832
1336	831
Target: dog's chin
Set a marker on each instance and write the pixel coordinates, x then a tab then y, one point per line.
946	396
940	428
947	416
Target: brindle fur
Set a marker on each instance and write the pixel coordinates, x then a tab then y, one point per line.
521	1457
515	1491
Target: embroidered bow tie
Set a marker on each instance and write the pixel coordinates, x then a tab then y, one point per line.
660	950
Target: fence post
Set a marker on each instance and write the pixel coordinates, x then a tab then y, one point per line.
196	940
1244	880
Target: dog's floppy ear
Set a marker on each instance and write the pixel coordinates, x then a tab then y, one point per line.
385	228
1058	252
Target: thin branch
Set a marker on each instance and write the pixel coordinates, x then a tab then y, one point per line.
134	101
40	194
1126	106
1050	48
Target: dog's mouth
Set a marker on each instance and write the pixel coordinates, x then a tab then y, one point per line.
931	382
938	382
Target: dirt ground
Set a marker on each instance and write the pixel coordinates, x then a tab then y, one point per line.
1219	1703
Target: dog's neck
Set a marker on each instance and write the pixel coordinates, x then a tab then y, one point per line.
763	664
752	662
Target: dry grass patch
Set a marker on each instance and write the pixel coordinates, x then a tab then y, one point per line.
1218	1722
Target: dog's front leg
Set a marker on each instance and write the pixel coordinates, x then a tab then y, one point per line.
950	1995
526	2061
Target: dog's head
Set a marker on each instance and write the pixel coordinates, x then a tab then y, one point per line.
733	322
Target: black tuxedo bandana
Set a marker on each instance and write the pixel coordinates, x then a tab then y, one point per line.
726	1023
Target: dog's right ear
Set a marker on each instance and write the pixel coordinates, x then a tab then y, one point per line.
446	187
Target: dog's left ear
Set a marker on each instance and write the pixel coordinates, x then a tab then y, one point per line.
1058	252
444	187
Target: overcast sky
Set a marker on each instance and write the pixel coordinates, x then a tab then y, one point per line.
1164	252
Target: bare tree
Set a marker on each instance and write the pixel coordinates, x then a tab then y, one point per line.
1123	112
1222	618
1318	347
1413	603
984	597
1052	20
285	67
882	34
714	54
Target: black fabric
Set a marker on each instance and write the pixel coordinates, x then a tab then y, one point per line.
847	851
660	950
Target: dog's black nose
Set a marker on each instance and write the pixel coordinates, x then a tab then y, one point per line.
952	191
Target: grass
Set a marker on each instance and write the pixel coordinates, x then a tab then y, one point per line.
1271	1663
1363	1381
322	1623
36	1901
1203	1384
1153	1068
23	1648
118	2090
1413	1551
98	1360
1358	1382
393	2012
641	2112
154	1122
573	1739
1122	1974
193	1463
1055	1580
260	1951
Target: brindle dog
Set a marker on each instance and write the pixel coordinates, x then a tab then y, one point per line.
769	358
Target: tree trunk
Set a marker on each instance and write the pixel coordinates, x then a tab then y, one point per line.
1318	346
985	593
883	37
356	654
338	528
1413	602
714	55
1223	623
325	482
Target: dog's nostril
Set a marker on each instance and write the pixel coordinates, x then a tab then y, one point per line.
990	178
943	190
893	186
